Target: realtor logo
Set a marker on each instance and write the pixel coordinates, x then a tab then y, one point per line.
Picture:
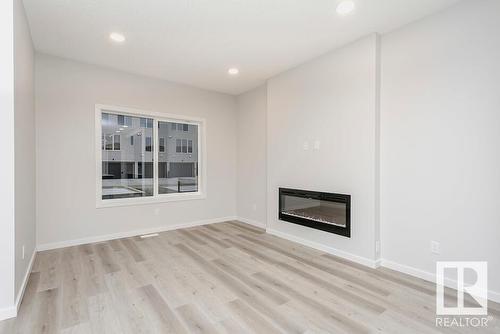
478	290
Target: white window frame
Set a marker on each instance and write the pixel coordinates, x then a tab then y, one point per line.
156	116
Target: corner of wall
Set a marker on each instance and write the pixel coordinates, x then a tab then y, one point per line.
7	169
378	89
251	161
24	145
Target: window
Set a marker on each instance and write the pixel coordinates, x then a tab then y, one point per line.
178	173
128	122
109	142
180	127
110	137
116	142
146	123
124	121
178	145
148	147
122	167
162	144
184	146
139	173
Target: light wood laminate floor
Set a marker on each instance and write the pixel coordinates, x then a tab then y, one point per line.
220	278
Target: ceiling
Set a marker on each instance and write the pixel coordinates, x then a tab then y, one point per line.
196	41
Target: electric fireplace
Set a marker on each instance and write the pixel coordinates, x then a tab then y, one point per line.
323	211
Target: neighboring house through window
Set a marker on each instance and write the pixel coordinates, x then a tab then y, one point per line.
137	173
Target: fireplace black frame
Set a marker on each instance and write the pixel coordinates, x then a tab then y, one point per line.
332	197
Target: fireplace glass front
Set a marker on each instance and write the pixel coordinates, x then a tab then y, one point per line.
324	211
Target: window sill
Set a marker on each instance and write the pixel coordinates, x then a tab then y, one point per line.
109	203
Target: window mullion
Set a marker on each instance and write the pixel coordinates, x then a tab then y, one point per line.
154	148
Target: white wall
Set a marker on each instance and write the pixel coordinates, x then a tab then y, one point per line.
440	157
66	93
24	105
332	99
251	185
7	255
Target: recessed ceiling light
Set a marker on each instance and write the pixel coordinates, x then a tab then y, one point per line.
345	7
233	71
117	37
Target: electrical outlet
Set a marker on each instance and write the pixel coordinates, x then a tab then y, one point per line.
305	146
435	247
254	207
23	252
377	246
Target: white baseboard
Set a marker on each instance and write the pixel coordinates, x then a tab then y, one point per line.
7	312
11	312
252	222
330	250
431	277
494	296
408	270
22	288
119	235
